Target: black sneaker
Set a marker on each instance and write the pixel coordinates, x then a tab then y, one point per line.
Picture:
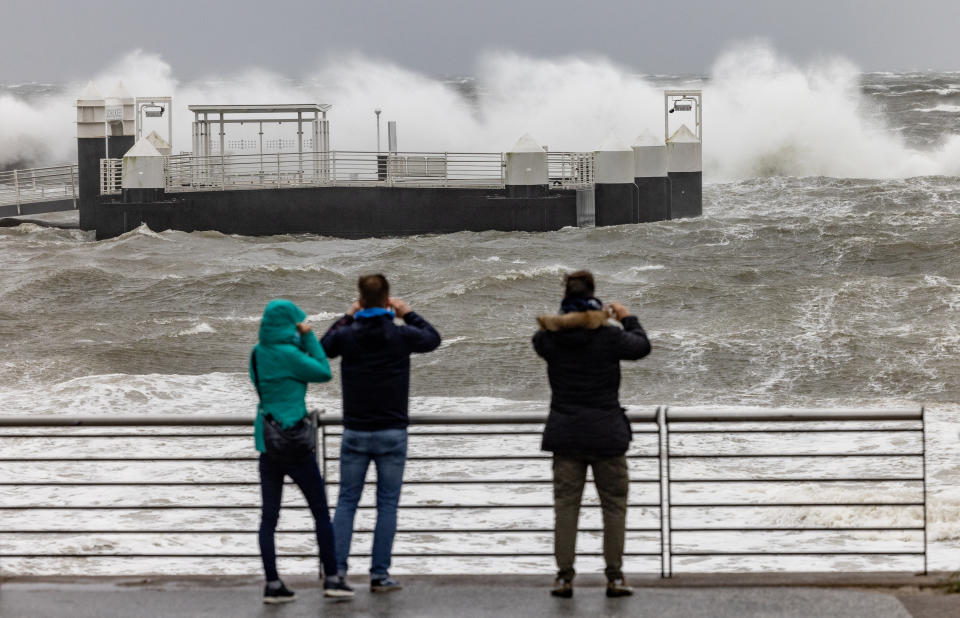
617	588
336	586
562	588
384	584
278	595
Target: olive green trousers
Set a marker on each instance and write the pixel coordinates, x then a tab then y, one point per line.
612	479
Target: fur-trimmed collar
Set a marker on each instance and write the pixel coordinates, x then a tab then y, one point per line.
576	319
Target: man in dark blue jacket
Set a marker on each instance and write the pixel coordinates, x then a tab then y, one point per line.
375	374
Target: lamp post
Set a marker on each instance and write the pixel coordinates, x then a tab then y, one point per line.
377	112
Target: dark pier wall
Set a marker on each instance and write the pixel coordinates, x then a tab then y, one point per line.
345	212
89	152
615	204
686	194
654	198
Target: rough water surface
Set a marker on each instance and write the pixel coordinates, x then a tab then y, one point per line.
789	291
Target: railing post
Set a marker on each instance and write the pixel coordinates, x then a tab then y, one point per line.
223	169
73	187
666	533
923	451
16	186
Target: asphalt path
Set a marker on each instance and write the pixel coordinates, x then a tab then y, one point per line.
462	598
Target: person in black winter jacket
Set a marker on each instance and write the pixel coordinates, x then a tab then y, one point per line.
376	382
586	425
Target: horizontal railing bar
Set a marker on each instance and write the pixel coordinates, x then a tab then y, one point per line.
245	507
421	482
123	421
136	435
173	420
799	553
795	504
250	434
288	483
311	531
314	555
799	529
684	415
328	458
683	432
701	415
790	455
889	479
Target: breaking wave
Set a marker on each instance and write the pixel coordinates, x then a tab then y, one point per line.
764	114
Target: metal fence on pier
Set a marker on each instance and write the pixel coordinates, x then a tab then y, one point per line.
711	490
42	184
188	172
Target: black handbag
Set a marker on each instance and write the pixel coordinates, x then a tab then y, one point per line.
290	444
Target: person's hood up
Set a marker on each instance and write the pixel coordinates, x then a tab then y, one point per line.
279	323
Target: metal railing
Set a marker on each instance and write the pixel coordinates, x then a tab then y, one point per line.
42	184
570	169
186	172
111	176
739	486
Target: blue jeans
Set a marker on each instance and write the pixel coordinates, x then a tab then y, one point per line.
388	450
306	475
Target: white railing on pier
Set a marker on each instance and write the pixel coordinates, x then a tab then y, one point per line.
111	178
570	170
187	172
42	184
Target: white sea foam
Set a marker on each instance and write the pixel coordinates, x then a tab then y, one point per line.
323	316
200	329
766	115
952	109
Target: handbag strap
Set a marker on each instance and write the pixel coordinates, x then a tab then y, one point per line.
256	376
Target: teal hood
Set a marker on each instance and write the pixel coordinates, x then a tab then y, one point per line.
279	323
286	362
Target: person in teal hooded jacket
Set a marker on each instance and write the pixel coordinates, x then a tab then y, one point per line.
287	358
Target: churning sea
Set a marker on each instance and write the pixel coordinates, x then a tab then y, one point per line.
791	290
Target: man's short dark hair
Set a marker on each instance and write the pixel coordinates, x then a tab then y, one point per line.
578	284
374	291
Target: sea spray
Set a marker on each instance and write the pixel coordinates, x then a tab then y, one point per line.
763	114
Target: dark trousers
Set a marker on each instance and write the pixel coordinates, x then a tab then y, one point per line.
613	481
306	474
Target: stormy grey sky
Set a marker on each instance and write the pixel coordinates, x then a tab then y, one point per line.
62	40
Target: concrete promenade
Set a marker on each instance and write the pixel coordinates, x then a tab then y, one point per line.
714	596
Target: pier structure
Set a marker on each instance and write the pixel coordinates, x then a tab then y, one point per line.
230	184
684	154
650	176
105	130
615	194
526	169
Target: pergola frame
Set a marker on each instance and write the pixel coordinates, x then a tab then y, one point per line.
204	116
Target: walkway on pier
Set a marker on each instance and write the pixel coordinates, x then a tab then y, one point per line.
38	190
424	596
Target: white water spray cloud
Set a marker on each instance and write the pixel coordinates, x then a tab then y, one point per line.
763	114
